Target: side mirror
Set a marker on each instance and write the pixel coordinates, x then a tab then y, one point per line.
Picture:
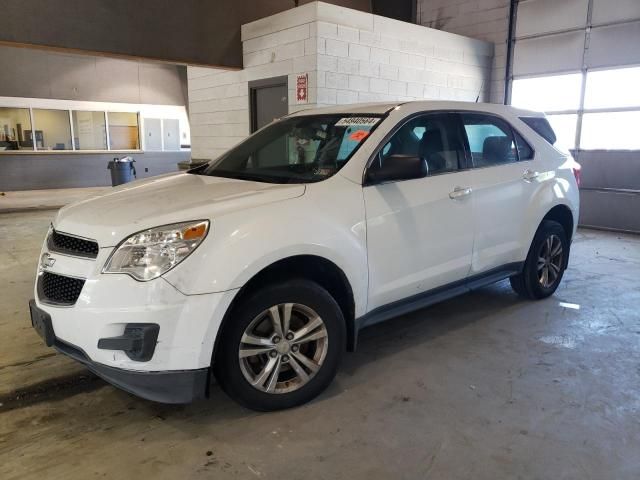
398	167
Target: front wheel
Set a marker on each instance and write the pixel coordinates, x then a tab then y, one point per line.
282	346
545	263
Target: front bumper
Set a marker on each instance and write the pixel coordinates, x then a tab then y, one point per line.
177	386
106	329
108	304
180	386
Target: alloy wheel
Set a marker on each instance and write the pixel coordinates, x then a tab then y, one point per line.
550	261
283	348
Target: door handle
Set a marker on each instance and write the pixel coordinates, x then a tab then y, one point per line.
530	175
459	192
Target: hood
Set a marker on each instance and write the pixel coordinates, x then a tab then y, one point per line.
111	217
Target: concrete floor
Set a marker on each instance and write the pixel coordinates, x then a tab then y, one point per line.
485	386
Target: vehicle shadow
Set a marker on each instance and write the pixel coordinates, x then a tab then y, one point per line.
375	343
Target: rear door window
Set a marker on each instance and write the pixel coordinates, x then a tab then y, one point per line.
491	140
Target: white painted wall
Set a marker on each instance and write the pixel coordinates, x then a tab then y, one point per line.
486	20
350	56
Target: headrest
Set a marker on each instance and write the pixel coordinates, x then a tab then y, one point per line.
431	143
496	149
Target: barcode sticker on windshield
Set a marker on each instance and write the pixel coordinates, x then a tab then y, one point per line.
357	121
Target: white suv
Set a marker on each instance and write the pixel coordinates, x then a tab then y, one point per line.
262	266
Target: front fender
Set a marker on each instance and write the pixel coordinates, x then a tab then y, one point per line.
243	243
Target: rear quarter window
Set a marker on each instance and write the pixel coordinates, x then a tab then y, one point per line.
525	152
542	127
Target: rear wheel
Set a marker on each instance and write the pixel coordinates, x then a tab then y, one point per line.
282	346
545	263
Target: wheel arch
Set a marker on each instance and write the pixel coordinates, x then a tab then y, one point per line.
307	266
562	214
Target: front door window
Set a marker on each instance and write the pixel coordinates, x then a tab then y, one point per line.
434	137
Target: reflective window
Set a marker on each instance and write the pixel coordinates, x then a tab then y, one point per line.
613	88
490	140
15	129
547	94
52	129
525	152
123	131
541	126
296	149
45	129
610	131
564	127
89	130
434	137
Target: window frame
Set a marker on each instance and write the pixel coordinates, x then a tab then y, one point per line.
339	115
74	150
106	130
513	131
70	125
30	115
138	127
454	113
468	162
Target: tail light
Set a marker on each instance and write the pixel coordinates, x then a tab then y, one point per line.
577	169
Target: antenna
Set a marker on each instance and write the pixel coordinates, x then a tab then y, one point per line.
480	91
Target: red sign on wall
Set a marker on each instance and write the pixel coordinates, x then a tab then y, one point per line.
302	90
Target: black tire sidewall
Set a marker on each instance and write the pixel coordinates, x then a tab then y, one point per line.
547	228
227	366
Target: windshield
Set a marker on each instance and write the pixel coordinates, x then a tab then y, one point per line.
301	149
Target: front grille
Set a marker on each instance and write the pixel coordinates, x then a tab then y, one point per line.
59	289
70	245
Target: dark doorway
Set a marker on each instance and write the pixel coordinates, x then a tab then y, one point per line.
268	100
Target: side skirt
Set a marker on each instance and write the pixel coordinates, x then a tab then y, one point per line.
436	295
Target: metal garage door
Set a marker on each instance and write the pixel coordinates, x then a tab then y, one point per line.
579	61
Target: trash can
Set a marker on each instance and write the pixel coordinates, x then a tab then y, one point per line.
122	170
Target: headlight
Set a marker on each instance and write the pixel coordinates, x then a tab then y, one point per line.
147	255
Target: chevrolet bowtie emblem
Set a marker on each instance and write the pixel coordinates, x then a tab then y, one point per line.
46	261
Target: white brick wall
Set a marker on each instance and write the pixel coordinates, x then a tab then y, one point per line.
483	19
218	102
350	57
219	99
389	60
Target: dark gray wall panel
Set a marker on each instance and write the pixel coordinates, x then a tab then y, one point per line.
610	169
552	53
118	79
159	84
610	191
35	73
609	209
615	45
205	32
40	171
614	11
547	16
70	77
24	73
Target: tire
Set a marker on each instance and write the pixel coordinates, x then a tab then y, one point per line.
250	331
531	283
